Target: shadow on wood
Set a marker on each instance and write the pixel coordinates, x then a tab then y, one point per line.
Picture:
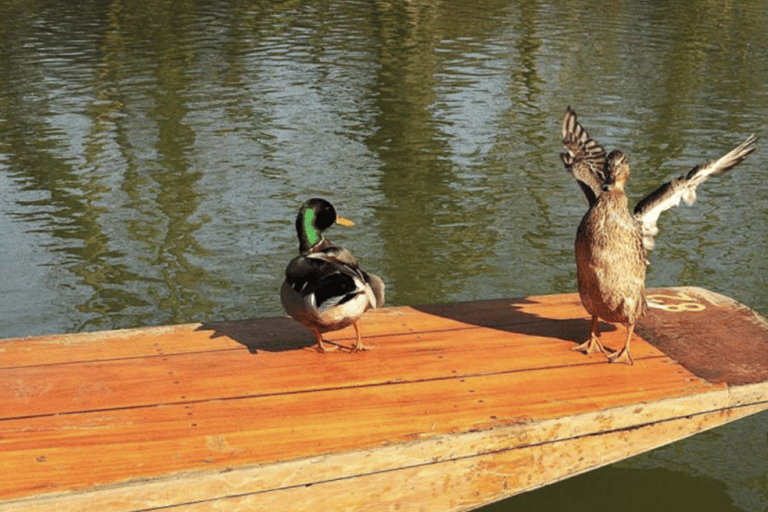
518	315
276	334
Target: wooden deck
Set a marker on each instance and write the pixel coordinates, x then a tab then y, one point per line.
458	405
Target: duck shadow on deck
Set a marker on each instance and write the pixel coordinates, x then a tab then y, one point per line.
719	340
516	315
274	334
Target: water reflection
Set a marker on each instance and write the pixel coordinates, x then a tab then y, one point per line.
409	144
153	154
164	148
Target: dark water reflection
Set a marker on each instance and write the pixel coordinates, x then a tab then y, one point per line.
153	154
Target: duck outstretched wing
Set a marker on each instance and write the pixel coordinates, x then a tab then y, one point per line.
584	158
669	194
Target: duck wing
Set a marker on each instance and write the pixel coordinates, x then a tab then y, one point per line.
376	285
584	158
669	194
331	272
333	276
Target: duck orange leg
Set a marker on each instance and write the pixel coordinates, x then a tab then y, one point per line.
623	355
320	346
593	344
359	345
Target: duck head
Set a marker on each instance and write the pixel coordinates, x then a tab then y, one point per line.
616	170
315	216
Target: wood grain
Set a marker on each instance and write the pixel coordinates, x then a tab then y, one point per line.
249	411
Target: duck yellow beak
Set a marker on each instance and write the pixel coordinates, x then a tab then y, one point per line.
344	222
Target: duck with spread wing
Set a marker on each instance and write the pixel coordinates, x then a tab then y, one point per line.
612	242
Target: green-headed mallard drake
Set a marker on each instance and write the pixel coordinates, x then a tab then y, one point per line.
324	287
611	242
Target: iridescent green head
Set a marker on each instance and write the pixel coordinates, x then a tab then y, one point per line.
315	216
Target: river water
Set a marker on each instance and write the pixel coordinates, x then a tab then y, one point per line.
153	155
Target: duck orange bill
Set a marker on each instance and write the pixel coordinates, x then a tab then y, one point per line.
344	222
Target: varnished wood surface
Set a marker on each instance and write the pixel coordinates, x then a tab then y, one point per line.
714	337
243	411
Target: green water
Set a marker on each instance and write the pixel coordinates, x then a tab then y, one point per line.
153	156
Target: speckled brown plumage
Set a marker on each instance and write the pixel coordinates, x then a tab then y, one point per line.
611	259
612	243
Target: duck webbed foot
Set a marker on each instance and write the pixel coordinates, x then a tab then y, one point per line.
359	347
623	355
320	346
590	346
593	344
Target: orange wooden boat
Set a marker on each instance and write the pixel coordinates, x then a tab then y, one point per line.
459	405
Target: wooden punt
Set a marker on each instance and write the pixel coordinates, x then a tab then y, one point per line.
459	405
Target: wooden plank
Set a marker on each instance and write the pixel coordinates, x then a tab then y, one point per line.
187	377
278	334
238	401
288	426
477	467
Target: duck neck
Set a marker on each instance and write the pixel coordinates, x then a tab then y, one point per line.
309	235
616	186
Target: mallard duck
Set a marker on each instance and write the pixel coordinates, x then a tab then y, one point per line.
611	243
324	287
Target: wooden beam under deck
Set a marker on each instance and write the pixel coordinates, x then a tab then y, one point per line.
457	406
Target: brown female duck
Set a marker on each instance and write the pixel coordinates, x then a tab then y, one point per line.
611	243
325	288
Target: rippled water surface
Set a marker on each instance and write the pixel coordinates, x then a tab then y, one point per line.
153	156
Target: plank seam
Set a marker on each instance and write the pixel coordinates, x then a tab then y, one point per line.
586	363
442	461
